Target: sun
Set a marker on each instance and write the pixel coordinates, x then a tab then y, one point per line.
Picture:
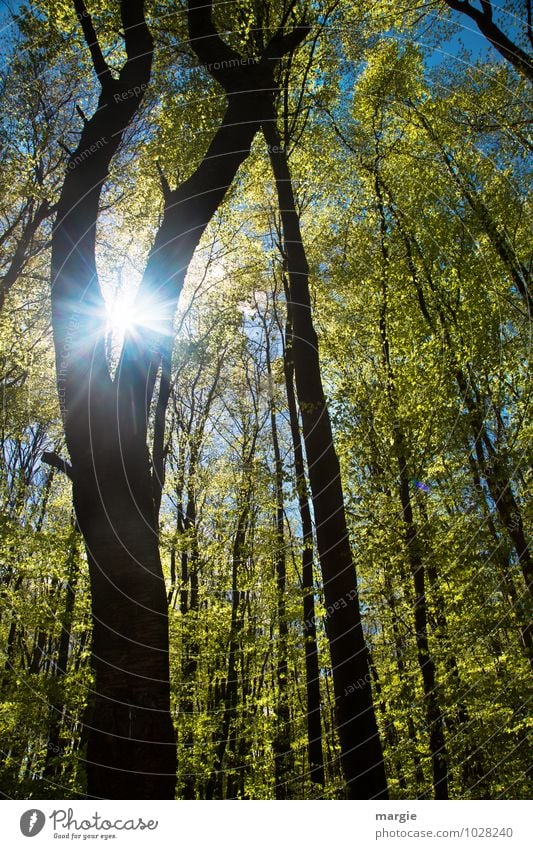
121	318
127	317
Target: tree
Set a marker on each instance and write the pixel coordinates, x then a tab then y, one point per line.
106	421
362	758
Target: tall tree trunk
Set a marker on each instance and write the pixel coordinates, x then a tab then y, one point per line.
57	707
361	752
131	747
228	702
391	732
191	649
492	463
519	608
497	235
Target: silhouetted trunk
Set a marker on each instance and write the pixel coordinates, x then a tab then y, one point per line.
390	732
33	220
130	723
131	748
9	665
491	462
494	466
517	605
228	703
498	237
190	647
406	691
472	762
362	757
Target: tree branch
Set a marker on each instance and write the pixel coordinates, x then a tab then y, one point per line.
510	51
282	43
103	71
165	186
212	52
57	462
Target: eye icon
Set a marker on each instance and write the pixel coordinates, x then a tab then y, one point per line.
32	822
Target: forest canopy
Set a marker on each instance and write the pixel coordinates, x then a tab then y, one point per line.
265	320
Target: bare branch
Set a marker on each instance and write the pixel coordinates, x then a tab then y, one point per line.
81	113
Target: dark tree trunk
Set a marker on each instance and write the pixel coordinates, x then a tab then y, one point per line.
362	757
228	702
490	462
131	747
406	692
191	649
518	604
22	252
498	237
391	732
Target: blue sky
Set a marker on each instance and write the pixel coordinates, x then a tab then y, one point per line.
466	35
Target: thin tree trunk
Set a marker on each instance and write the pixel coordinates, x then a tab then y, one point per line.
281	744
312	669
228	706
495	468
